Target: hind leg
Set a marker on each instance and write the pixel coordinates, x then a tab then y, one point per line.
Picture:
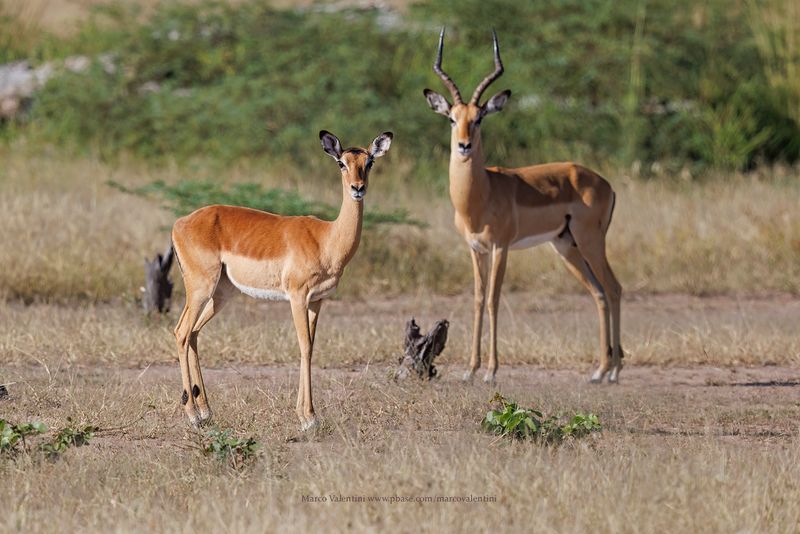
591	244
201	271
195	302
222	293
615	296
577	265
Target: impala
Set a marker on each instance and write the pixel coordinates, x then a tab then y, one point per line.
298	259
498	209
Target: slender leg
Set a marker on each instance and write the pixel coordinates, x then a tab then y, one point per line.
615	296
183	334
479	268
577	265
313	315
186	399
499	257
222	294
592	246
306	414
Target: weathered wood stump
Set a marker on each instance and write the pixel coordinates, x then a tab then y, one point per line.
420	350
157	284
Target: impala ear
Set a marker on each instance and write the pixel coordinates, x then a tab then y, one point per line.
330	144
437	102
381	145
496	103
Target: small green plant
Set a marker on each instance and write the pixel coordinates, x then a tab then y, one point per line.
186	196
69	436
11	436
521	423
227	448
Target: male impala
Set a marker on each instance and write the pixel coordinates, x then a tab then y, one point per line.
498	209
299	259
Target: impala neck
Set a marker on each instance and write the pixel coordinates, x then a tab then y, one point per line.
469	184
346	229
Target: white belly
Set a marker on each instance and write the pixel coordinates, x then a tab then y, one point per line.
534	240
257	292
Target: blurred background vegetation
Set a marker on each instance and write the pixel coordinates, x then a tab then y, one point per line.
691	109
687	85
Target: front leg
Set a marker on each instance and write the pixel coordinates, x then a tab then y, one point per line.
305	410
499	257
313	315
479	268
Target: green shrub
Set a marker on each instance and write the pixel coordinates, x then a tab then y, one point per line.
526	423
11	435
229	449
600	82
71	435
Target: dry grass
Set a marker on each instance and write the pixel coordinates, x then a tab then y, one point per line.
717	443
680	449
71	237
686	445
551	332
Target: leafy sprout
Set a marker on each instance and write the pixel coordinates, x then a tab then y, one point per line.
526	423
70	436
227	448
11	435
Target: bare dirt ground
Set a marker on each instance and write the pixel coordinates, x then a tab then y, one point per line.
701	433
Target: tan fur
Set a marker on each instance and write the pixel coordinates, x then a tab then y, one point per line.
499	208
299	259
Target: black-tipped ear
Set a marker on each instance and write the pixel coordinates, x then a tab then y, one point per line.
437	102
330	144
381	144
496	103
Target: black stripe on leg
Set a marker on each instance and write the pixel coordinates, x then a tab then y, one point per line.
184	398
195	391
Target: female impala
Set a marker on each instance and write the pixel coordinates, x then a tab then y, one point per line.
497	209
299	259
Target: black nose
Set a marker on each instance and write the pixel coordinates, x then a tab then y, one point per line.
463	147
358	188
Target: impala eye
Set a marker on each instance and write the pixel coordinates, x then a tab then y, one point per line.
341	165
452	122
368	166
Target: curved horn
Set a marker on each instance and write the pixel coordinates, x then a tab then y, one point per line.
498	71
437	68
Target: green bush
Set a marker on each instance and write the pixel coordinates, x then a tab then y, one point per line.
670	81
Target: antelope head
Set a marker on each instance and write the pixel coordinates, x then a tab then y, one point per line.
355	163
465	119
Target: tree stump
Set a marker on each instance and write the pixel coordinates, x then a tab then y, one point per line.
420	350
157	285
